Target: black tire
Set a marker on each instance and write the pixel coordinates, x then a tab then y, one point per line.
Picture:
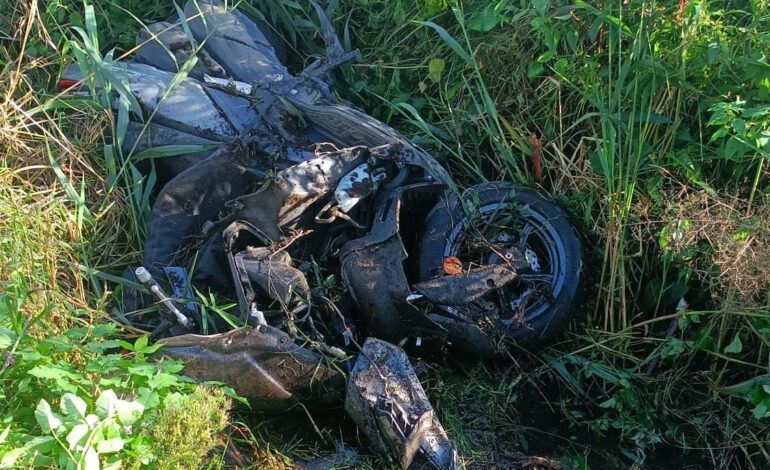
543	227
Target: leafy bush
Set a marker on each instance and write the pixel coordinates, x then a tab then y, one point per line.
82	373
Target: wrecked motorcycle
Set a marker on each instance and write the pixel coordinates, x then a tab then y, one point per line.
292	183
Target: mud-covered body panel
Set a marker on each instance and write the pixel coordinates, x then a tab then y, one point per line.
262	364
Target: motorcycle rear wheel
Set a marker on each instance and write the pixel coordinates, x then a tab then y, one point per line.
475	230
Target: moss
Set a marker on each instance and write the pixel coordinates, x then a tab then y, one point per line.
187	428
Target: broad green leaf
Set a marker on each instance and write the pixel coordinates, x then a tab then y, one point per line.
77	434
106	404
125	345
141	343
73	405
546	56
102	346
9	458
7	338
91	460
735	347
143	370
58	343
128	411
51	372
436	69
39	443
535	70
109	446
611	403
102	330
162	381
484	20
148	398
46	418
92	420
43	461
153	348
760	411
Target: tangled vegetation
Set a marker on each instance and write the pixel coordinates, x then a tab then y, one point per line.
649	121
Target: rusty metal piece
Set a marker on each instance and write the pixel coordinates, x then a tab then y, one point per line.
468	287
262	364
386	400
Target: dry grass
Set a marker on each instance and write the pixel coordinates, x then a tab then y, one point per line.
57	213
733	235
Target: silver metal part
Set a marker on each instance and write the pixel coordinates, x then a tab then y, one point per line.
240	87
531	258
144	277
360	182
414	298
521	300
258	315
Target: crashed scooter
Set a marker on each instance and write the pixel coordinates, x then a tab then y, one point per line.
293	180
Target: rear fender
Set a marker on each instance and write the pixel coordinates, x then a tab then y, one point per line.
373	271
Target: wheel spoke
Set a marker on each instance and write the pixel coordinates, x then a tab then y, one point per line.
537	277
524	235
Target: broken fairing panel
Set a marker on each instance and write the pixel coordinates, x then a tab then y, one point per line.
387	402
165	46
284	203
373	271
262	364
233	40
